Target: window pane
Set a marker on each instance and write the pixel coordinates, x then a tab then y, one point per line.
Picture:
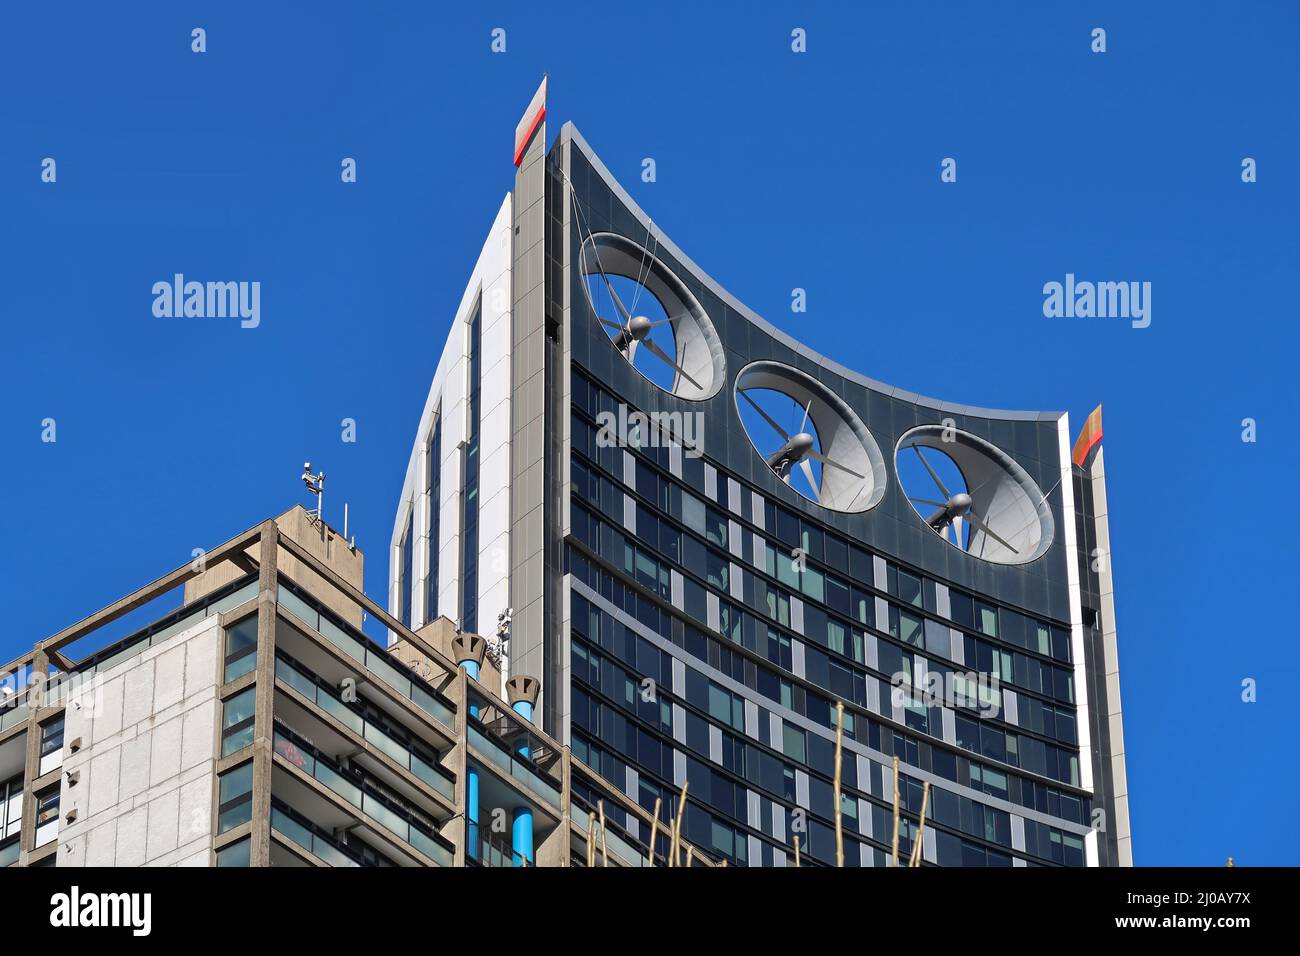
237	854
237	708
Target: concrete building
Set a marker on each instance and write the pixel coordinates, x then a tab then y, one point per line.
257	724
699	536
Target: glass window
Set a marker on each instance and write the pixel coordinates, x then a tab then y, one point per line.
52	736
433	492
235	797
726	707
47	806
962	607
787	528
814	584
1012	627
910	629
863	606
786	571
11	806
837	553
408	547
837	595
693	512
909	588
794	744
241	648
715	528
1043	642
1060	644
811	541
718	571
237	722
469	492
237	854
861	566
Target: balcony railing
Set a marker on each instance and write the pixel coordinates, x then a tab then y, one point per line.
297	828
223	599
365	652
362	795
43	690
14	713
618	844
493	849
509	744
314	689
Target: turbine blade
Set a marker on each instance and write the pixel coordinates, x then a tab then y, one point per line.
806	465
978	488
627	316
933	476
818	456
978	523
659	353
805	415
927	501
766	417
608	323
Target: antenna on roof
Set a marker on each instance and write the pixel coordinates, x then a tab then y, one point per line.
316	485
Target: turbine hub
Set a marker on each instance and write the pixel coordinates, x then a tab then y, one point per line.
959	503
639	327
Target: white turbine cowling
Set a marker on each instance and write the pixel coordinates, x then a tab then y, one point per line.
1002	495
698	349
842	436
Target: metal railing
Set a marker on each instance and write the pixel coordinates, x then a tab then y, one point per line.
362	795
314	689
366	653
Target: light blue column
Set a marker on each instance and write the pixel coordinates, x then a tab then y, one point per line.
471	780
522	830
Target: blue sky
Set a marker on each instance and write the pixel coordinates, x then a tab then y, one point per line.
775	171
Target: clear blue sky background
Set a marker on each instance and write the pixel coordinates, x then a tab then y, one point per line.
775	170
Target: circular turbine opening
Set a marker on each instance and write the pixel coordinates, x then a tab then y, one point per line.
650	317
973	495
810	438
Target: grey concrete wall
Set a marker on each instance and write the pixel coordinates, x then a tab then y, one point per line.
148	735
321	541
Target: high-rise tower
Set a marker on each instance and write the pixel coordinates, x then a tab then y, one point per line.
698	536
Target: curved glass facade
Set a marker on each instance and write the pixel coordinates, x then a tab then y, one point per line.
716	614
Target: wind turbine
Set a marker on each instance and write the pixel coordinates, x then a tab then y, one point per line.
634	331
799	450
953	511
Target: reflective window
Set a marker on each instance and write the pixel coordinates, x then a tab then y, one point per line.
433	493
237	722
235	797
237	854
469	492
241	648
408	547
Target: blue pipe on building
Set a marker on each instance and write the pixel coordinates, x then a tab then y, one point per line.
471	779
522	829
